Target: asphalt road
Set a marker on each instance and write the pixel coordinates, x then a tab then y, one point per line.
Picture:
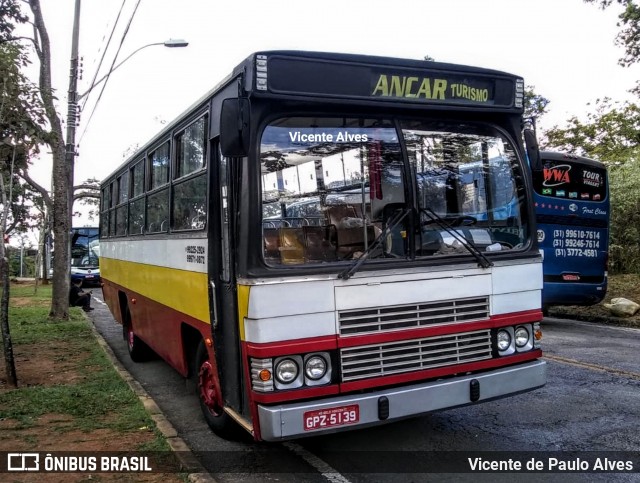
591	403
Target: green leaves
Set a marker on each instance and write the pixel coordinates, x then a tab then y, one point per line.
611	133
629	36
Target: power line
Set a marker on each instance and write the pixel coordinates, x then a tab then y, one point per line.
104	85
106	48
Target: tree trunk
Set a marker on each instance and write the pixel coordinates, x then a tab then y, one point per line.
60	176
9	361
12	378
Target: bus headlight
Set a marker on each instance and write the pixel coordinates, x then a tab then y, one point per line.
286	371
504	340
522	337
315	367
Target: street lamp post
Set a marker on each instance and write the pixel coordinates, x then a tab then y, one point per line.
74	96
66	213
171	43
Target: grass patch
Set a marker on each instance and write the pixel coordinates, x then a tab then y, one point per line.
32	325
92	404
28	290
67	385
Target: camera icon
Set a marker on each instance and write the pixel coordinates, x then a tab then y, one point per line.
23	462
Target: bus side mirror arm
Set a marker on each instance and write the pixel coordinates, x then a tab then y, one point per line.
533	152
234	127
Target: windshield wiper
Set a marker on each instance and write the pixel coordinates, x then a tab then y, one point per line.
392	224
483	261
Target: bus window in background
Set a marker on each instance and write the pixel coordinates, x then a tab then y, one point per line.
572	213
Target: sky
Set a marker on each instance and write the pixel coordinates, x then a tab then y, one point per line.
565	48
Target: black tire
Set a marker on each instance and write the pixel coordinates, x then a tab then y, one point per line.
211	401
138	350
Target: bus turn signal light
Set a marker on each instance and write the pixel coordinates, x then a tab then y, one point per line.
264	375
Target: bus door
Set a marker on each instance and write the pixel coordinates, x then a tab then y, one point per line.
222	278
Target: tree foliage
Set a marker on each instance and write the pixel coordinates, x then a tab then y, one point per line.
624	186
629	22
10	14
535	105
17	132
21	118
611	133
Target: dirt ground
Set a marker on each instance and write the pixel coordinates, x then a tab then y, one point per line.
60	364
625	285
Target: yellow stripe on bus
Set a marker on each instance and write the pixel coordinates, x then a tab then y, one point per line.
180	290
243	307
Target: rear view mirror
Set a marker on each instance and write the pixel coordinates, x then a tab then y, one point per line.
234	127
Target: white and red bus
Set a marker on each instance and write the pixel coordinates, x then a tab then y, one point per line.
325	242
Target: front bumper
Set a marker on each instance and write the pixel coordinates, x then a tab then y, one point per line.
286	421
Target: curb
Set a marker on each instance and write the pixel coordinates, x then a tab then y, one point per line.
177	444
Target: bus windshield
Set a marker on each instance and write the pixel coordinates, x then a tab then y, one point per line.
85	248
329	187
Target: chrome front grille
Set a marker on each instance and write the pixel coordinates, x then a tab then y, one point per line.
383	319
413	355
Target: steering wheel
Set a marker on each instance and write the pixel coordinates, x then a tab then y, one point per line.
464	220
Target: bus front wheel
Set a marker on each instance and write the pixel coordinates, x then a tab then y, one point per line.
210	398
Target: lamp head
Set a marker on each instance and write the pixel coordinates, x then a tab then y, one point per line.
175	43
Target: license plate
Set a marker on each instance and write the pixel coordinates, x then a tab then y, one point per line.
88	276
326	418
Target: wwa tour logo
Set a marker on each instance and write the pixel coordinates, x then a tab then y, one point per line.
556	175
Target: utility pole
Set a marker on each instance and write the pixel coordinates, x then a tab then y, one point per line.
72	106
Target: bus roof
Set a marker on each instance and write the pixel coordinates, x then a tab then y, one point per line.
360	78
366	78
555	156
372	60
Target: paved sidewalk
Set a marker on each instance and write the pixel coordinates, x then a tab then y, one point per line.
183	452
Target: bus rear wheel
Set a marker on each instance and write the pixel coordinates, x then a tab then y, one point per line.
211	402
138	350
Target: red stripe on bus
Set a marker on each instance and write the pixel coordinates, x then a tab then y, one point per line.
291	347
447	329
156	324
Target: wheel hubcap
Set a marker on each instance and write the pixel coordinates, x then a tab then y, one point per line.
206	385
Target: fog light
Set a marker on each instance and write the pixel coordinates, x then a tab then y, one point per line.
521	336
315	367
286	371
504	340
